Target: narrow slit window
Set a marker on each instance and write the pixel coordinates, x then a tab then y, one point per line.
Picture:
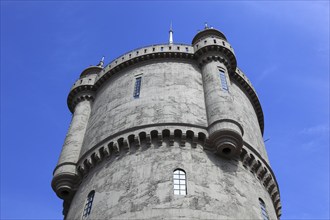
179	182
263	210
223	80
88	205
137	87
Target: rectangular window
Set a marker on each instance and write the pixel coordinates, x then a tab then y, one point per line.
223	80
137	87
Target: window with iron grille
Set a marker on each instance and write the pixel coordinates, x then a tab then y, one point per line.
223	80
88	205
137	87
264	213
179	182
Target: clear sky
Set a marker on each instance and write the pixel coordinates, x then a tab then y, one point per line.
282	46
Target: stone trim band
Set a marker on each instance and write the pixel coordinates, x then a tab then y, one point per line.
123	144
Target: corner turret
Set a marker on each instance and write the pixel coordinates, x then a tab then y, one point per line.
217	61
79	101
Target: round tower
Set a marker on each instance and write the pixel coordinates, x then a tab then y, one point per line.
167	131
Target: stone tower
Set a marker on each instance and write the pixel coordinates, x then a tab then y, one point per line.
168	131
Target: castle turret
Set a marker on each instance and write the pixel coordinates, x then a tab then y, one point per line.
79	102
167	131
217	61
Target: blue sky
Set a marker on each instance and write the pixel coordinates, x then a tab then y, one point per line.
282	46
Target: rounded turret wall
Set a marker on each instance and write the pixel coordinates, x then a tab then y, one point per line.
171	93
162	108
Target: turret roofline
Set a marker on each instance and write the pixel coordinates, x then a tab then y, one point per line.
208	32
90	70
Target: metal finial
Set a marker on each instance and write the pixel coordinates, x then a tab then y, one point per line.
170	40
101	62
205	25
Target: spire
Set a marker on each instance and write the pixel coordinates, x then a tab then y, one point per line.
101	62
170	41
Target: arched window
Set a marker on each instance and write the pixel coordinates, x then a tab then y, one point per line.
88	205
263	210
179	182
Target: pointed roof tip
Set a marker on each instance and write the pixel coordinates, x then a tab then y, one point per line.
171	27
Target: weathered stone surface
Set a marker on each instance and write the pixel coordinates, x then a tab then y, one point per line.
139	186
171	92
126	148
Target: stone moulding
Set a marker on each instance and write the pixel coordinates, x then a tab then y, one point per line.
228	58
243	81
181	51
78	94
129	142
252	161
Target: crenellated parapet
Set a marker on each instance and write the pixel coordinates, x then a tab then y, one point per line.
83	88
141	139
213	48
252	161
130	142
181	51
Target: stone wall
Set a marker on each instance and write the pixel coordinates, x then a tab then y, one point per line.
139	185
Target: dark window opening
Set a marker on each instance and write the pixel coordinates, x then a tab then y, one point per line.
88	205
223	80
263	210
137	87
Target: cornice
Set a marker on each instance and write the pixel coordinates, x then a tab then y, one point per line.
124	143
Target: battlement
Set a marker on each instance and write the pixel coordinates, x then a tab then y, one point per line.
118	146
160	109
144	54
